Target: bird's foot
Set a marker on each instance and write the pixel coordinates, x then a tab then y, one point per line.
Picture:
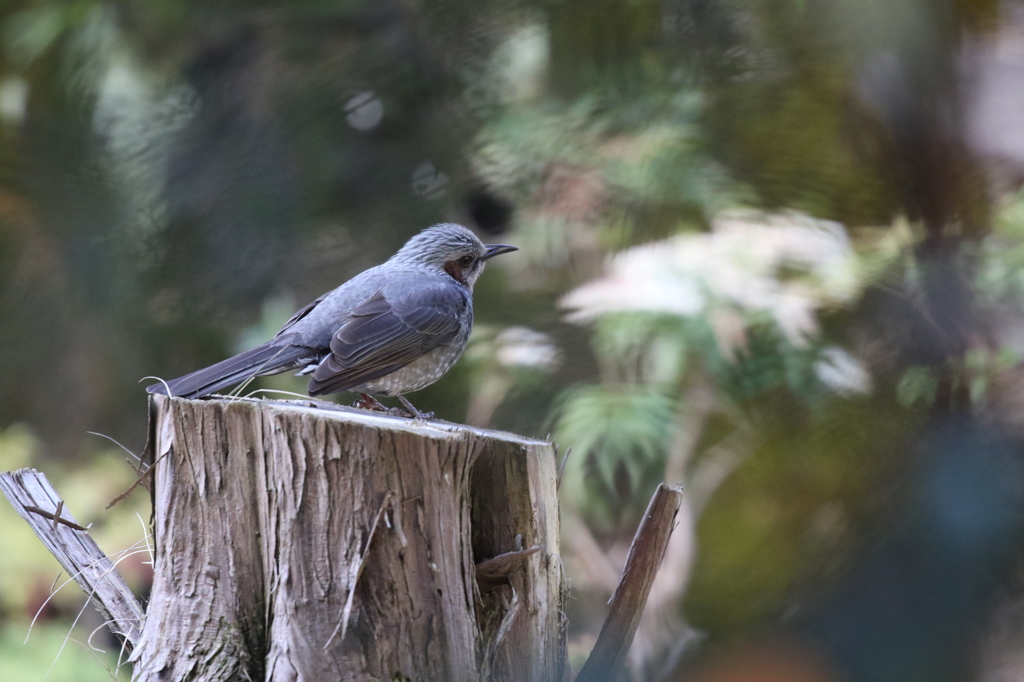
368	402
413	413
400	412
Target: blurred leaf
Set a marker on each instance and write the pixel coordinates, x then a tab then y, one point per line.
917	387
613	431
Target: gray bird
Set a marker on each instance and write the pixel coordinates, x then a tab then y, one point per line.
391	330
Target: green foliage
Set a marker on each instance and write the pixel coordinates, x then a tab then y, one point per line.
643	148
516	151
33	31
917	387
645	348
1000	271
56	644
618	435
981	368
768	363
978	371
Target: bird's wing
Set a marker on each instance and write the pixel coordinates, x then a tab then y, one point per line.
301	313
386	333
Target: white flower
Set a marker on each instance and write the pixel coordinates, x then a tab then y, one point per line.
842	372
522	347
789	266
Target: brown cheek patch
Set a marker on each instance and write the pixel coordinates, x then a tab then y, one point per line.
452	268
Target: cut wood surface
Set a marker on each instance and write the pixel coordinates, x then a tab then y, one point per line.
296	541
38	503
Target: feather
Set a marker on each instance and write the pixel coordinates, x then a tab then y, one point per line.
383	335
269	358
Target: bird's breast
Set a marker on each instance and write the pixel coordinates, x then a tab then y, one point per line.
417	374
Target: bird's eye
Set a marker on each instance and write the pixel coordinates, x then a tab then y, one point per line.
466	261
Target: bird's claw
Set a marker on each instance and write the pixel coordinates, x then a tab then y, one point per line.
412	412
415	416
368	402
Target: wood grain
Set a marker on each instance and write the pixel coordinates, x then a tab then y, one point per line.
304	542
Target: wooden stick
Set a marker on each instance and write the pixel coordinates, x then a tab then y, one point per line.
55	516
32	496
141	480
493	572
630	598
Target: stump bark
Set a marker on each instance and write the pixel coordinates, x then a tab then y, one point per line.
302	542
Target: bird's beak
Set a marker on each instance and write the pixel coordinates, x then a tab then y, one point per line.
493	250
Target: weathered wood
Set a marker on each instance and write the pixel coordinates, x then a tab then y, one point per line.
627	604
37	502
509	515
497	571
301	543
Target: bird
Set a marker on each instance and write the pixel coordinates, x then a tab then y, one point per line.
390	330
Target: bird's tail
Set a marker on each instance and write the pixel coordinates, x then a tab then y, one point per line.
265	359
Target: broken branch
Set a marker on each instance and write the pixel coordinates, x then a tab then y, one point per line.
630	597
31	495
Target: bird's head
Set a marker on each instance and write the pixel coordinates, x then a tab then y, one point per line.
452	249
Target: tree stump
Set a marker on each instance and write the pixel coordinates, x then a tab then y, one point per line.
304	542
